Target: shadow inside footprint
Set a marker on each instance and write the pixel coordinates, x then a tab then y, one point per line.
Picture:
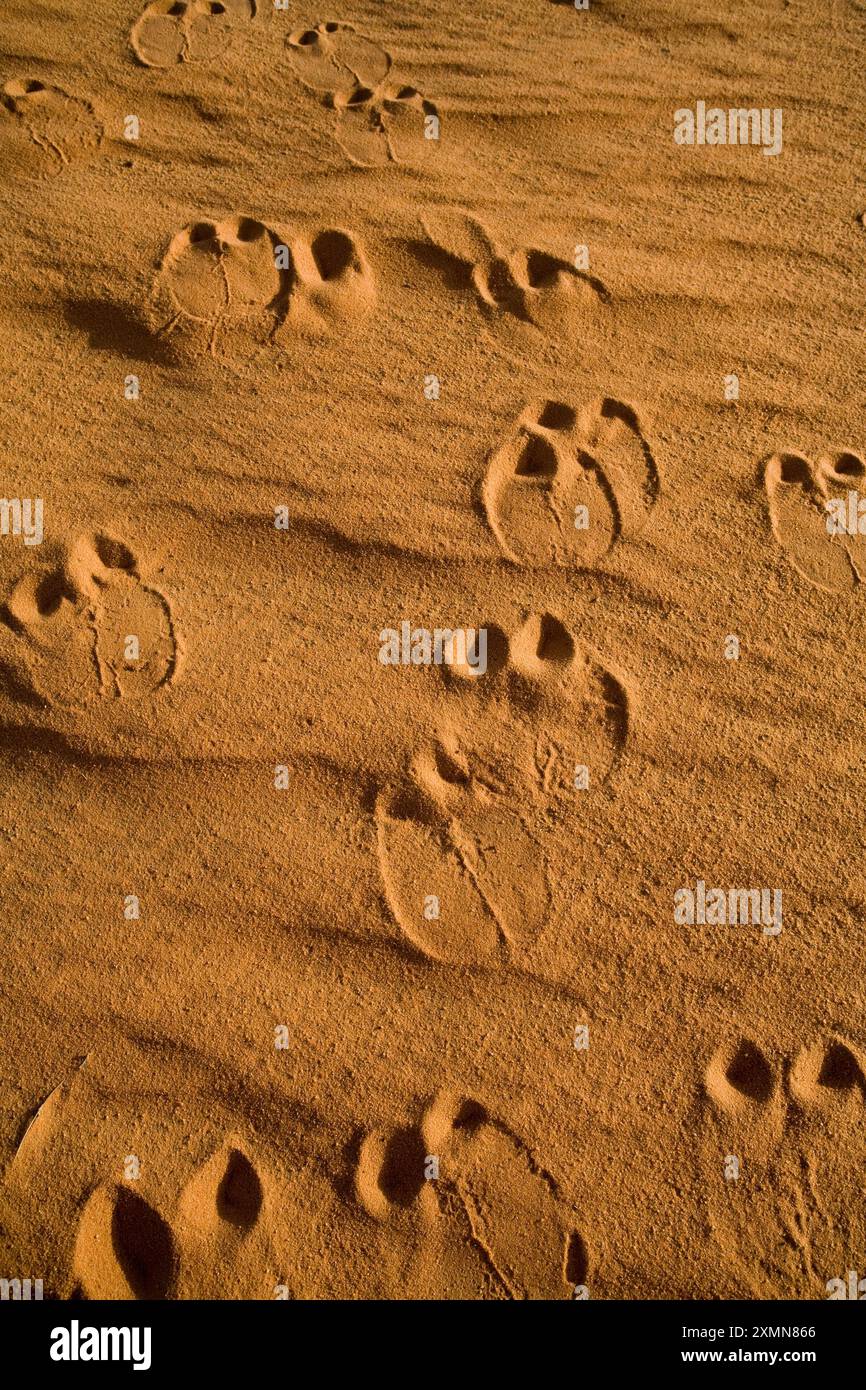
43	129
576	1260
186	31
740	1073
563	489
91	627
124	1249
402	1173
827	1073
376	123
225	1196
239	1195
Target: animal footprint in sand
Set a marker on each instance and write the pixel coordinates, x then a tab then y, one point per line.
378	122
89	627
43	129
124	1248
475	1206
565	487
240	278
794	1133
517	289
460	840
818	516
186	31
446	851
225	1196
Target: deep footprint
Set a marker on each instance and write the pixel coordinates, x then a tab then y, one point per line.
124	1249
527	295
235	286
225	1196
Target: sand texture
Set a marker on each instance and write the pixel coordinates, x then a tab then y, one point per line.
329	978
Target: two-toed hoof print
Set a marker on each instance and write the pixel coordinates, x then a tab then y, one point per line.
124	1248
237	274
378	122
90	625
566	486
742	1081
754	1097
461	837
43	129
481	1207
544	688
816	511
463	876
516	288
538	288
784	1136
185	31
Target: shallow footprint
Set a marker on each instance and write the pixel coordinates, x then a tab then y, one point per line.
183	31
334	59
91	626
411	124
123	1249
828	1085
516	1213
460	841
427	1247
213	24
225	276
377	123
135	644
798	494
564	489
429	885
463	877
544	710
360	127
379	126
743	1116
43	129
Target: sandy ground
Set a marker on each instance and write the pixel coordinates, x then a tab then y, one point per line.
323	977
